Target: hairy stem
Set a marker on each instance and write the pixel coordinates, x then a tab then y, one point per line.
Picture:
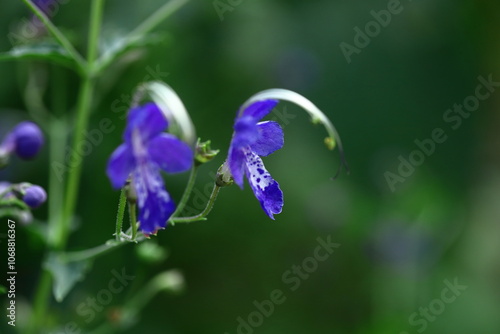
121	212
187	191
204	213
133	219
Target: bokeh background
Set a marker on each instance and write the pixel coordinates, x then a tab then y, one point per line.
397	248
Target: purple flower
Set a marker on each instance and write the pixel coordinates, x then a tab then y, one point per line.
146	150
34	196
25	140
251	140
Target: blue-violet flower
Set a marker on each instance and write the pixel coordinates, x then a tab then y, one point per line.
251	140
146	150
25	140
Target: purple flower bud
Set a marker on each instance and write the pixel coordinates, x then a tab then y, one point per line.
28	139
34	196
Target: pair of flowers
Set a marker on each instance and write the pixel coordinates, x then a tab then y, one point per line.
147	149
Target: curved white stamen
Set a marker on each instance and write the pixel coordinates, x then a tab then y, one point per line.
172	107
317	115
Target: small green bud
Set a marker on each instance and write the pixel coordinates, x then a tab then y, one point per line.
130	191
330	143
203	152
224	176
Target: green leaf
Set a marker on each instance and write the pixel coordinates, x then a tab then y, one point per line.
2	289
42	51
65	274
116	47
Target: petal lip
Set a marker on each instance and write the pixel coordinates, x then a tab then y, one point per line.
155	212
170	153
272	201
258	110
270	138
148	120
120	165
264	187
155	204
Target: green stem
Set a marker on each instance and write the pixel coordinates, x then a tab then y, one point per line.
15	202
92	252
119	216
83	114
133	219
204	213
187	191
59	36
156	18
42	297
57	139
57	142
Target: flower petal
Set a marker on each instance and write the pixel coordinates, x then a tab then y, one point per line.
246	131
236	163
170	153
155	204
270	138
120	165
259	109
147	120
265	188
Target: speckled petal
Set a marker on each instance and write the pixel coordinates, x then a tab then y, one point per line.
265	188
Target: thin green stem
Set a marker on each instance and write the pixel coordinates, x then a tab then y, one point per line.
83	114
92	252
94	30
156	18
33	98
57	140
133	219
121	212
187	191
97	251
204	213
146	26
59	36
42	296
15	202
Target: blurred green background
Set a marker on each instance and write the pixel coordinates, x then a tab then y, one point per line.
397	248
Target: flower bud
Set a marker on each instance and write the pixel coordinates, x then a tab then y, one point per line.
203	152
28	139
34	196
